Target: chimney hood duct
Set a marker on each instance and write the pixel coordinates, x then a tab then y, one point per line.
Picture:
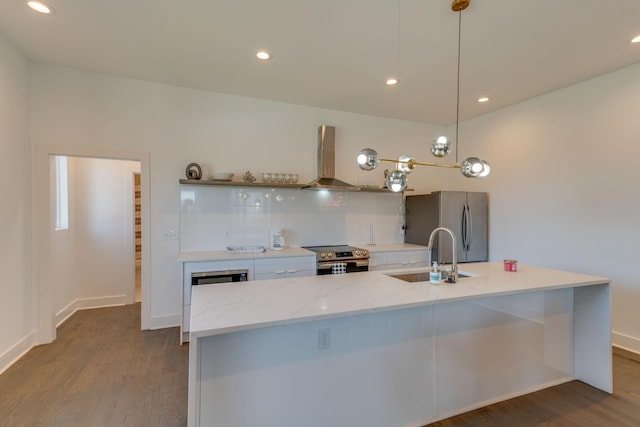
327	163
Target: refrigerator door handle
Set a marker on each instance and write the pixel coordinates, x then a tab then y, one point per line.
469	228
464	227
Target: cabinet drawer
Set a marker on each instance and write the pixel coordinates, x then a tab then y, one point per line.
418	258
279	274
288	265
398	259
377	261
301	273
284	274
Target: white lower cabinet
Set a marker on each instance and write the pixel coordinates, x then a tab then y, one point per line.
389	260
285	267
189	268
259	269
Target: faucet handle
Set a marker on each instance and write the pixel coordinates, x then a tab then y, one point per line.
450	276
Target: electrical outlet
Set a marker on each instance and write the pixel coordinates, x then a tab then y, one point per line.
227	234
324	339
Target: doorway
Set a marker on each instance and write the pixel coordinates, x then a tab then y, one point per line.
85	265
93	245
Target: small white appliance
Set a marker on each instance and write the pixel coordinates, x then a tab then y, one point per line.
277	239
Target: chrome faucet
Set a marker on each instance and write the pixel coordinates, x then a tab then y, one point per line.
452	277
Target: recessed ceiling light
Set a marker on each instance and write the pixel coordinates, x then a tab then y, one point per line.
391	81
636	39
42	7
263	55
483	99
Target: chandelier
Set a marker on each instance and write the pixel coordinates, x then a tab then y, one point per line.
471	167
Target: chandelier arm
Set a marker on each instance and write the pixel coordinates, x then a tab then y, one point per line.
439	165
410	163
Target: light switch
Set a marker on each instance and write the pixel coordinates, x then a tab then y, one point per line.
170	235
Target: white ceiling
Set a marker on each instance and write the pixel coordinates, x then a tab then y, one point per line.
337	54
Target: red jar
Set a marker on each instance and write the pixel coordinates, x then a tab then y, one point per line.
510	265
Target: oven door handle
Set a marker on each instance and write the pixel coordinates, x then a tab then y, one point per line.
328	264
325	265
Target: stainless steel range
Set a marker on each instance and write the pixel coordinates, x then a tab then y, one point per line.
340	259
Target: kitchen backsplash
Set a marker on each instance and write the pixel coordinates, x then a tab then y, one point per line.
212	217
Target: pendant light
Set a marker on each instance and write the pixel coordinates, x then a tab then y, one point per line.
471	167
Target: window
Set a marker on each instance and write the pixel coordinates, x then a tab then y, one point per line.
62	193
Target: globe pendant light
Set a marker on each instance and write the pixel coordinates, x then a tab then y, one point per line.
368	159
396	181
473	167
441	146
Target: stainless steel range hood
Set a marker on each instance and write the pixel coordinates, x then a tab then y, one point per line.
327	163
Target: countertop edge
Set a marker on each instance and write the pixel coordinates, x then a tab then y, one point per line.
222	255
472	294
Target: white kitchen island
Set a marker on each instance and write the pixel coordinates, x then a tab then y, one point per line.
399	354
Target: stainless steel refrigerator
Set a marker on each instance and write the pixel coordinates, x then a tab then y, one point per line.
464	213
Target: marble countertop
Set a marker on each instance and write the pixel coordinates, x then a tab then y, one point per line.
198	256
225	308
390	247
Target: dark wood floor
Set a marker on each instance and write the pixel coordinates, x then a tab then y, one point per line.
100	371
570	404
103	371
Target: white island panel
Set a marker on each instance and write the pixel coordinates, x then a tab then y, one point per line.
378	371
497	348
592	335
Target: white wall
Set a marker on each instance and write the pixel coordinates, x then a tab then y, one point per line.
16	313
564	188
176	126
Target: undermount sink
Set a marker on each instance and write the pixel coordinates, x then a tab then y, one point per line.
422	276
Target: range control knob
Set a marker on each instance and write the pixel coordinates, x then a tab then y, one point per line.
358	253
364	253
330	255
322	255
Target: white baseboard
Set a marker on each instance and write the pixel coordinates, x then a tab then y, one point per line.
12	355
157	322
65	313
625	342
161	322
86	303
